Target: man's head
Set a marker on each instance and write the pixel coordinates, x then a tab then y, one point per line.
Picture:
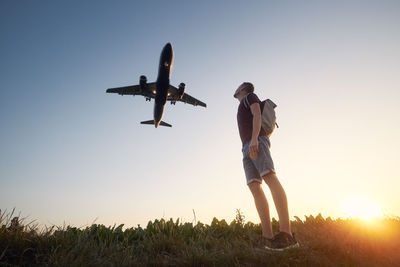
244	89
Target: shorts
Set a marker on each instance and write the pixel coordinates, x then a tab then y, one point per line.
262	165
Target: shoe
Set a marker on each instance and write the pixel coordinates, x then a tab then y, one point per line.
282	241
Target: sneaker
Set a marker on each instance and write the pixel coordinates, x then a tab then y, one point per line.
282	241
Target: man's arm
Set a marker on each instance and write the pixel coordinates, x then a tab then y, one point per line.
256	111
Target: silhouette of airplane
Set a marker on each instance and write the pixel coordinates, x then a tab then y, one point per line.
160	90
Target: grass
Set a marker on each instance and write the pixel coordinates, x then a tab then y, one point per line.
324	242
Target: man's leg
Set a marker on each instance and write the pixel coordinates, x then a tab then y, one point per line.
280	200
262	208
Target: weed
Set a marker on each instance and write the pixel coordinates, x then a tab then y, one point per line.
324	242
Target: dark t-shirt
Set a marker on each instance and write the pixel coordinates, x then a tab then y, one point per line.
245	118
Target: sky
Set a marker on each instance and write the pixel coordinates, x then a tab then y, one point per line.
72	154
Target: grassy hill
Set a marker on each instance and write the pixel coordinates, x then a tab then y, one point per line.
324	242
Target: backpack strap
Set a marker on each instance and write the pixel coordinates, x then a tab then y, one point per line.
246	102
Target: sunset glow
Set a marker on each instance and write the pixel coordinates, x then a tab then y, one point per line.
361	207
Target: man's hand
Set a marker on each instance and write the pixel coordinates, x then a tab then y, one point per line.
254	148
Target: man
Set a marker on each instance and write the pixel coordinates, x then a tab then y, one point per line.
258	166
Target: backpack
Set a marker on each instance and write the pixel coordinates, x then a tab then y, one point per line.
268	117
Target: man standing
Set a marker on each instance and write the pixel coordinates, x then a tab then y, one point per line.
258	166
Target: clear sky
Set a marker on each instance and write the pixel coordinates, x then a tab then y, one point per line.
71	153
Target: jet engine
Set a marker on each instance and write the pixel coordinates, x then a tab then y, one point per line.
143	82
181	90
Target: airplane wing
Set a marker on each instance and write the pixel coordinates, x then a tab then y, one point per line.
134	90
191	100
173	96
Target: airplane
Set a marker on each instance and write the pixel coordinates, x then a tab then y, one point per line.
160	90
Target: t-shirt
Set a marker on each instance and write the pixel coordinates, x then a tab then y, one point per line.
245	119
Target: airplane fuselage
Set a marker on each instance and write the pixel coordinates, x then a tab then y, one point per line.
162	83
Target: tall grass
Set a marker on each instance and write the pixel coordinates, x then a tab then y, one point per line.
324	242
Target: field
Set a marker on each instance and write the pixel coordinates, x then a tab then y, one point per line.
324	242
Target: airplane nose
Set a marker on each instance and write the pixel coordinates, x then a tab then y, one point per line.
168	47
167	54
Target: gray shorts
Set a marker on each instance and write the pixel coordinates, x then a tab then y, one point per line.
262	165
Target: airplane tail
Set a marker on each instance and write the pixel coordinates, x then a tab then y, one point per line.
162	123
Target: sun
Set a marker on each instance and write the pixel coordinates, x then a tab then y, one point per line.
362	208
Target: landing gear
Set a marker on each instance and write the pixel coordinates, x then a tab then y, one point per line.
148	99
173	102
